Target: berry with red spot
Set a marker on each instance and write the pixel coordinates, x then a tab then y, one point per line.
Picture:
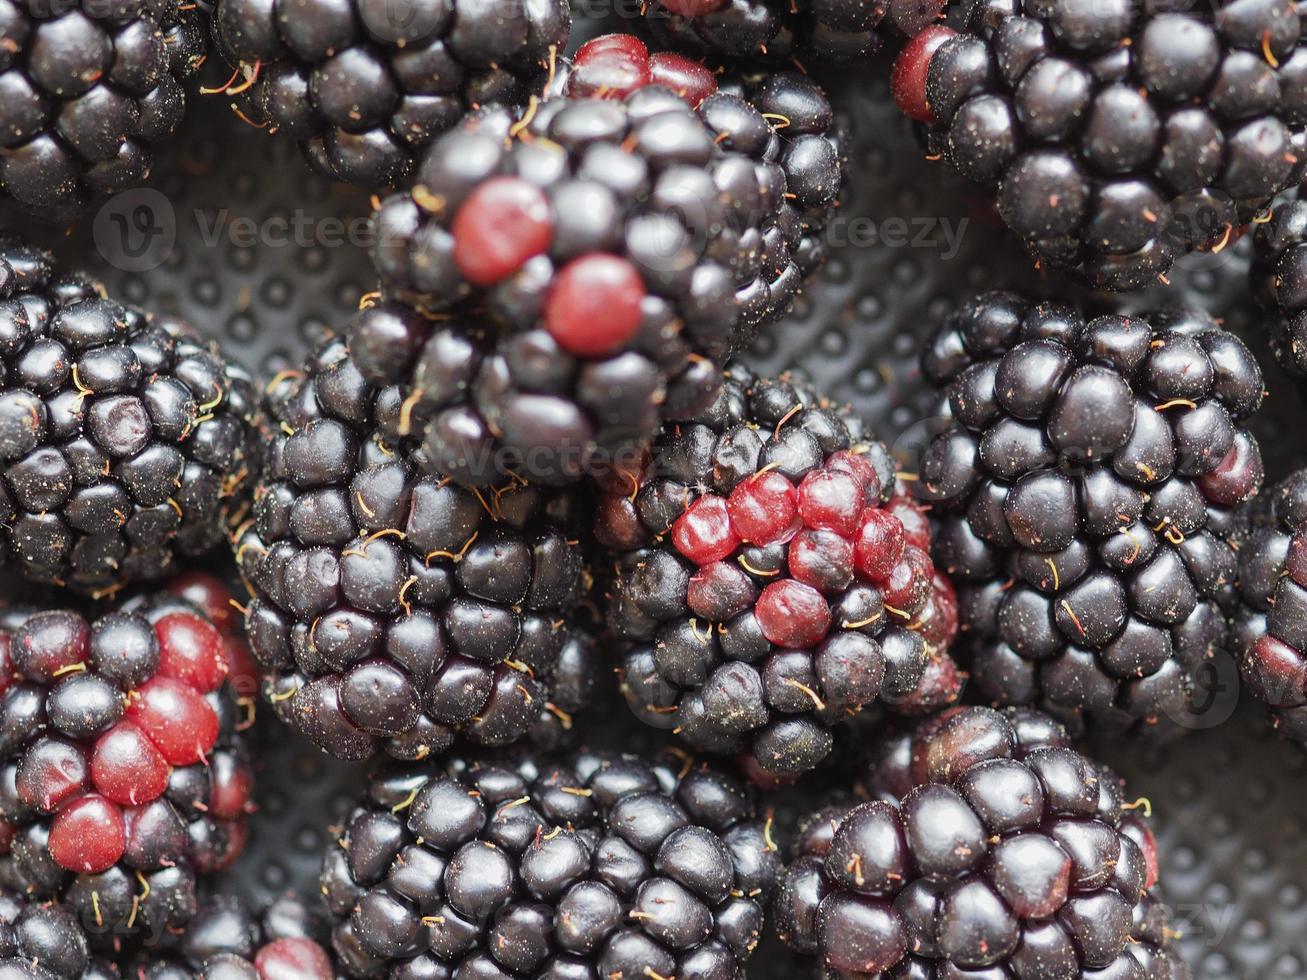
911	67
120	739
596	305
592	263
1084	489
611	66
1270	631
688	78
987	846
287	940
501	225
765	590
1115	139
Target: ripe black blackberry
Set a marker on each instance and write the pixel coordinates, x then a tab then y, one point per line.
121	763
1116	138
1271	629
86	89
580	866
394	609
771	580
1279	281
227	941
44	940
811	31
592	271
366	86
1086	481
989	845
125	441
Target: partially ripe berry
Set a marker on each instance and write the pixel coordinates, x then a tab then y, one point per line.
88	835
502	224
595	305
908	79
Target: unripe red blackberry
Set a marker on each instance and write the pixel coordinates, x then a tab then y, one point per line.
395	610
591	265
1117	137
126	441
771	579
120	747
581	865
989	846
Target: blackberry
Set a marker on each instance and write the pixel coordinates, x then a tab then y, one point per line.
787	30
1116	138
1279	276
392	608
121	762
125	440
1271	630
44	940
227	941
770	578
577	866
1086	480
592	272
86	90
989	845
365	86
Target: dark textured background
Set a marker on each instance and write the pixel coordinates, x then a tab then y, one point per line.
1228	802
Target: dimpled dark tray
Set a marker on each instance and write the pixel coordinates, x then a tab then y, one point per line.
235	235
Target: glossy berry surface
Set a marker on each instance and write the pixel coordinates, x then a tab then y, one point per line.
766	584
119	740
590	265
394	610
226	940
1270	633
126	442
1279	283
1086	481
988	845
577	865
86	91
1117	140
807	32
365	88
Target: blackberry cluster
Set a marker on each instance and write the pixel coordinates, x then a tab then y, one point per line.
227	941
592	271
1279	282
989	845
86	89
1271	630
122	776
1086	482
582	866
42	940
392	608
770	578
1115	136
366	86
125	441
812	31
